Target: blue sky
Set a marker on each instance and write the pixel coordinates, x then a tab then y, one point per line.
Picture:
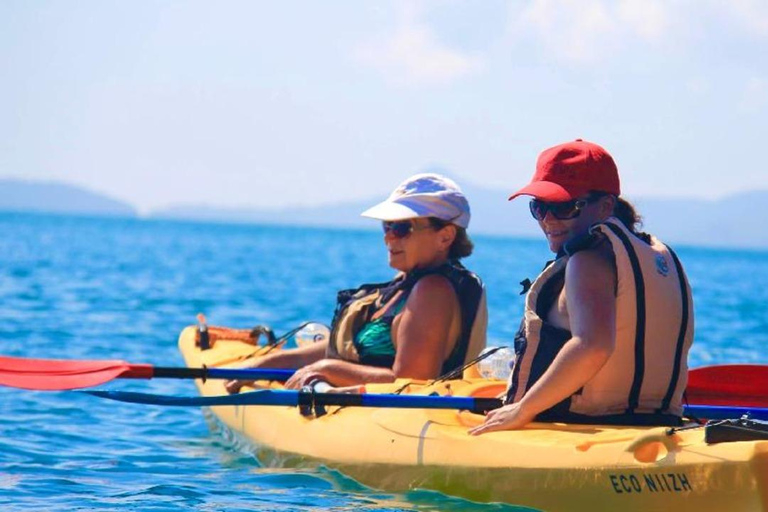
277	103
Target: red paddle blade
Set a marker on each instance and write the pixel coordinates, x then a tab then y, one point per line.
56	374
738	385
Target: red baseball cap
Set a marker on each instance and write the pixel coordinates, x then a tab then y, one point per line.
571	170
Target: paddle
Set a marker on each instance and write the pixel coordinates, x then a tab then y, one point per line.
57	374
743	385
310	399
731	385
307	398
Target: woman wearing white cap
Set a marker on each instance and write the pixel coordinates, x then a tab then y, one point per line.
426	322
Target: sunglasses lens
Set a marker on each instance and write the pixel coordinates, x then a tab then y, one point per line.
538	209
562	211
398	229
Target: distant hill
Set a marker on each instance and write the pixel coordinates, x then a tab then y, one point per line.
723	222
53	197
734	220
491	213
730	221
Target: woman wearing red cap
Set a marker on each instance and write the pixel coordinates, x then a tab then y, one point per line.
426	322
608	324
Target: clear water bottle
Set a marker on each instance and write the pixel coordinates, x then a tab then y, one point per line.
498	365
313	332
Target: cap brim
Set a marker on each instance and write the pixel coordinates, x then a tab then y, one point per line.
547	191
390	211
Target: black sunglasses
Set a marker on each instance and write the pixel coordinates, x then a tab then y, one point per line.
398	228
562	210
403	228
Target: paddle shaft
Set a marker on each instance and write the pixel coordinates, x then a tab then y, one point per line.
309	400
145	371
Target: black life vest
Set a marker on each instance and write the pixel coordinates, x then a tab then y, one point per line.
355	307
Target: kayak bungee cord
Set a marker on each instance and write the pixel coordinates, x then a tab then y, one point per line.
457	373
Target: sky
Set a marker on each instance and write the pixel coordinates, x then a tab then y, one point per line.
266	104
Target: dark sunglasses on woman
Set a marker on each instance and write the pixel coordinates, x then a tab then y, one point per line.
565	210
398	228
403	228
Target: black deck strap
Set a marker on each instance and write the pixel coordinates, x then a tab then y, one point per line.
680	336
627	419
637	381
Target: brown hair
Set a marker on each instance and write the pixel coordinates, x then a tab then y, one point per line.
627	214
462	246
622	210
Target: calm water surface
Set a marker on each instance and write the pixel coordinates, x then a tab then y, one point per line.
123	289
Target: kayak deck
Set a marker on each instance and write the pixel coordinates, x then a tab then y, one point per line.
545	466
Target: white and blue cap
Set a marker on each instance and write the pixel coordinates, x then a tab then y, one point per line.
424	195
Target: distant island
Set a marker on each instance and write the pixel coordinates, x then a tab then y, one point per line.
724	222
54	197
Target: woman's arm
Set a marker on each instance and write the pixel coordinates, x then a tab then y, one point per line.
292	358
590	280
339	373
424	329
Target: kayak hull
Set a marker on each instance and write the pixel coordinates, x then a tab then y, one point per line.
544	466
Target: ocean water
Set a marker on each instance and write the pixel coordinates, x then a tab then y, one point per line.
88	288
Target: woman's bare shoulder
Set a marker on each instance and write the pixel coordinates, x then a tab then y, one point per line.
593	266
433	284
432	290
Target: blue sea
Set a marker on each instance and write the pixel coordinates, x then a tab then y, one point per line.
97	288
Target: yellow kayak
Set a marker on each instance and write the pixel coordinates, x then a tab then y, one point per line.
552	467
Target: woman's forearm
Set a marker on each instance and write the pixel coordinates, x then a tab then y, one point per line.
577	362
346	373
293	358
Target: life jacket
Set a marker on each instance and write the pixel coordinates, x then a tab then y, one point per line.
647	372
355	307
